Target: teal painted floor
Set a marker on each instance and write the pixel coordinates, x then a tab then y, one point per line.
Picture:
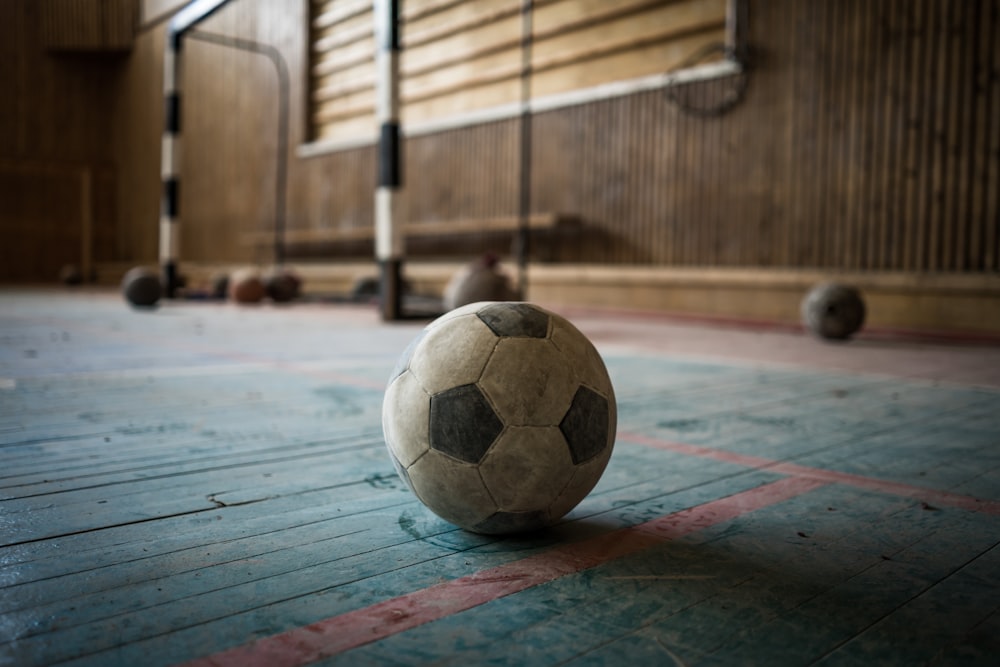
208	483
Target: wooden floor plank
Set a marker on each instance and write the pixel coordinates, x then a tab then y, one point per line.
724	583
184	481
954	604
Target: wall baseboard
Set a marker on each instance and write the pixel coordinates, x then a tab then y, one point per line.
947	303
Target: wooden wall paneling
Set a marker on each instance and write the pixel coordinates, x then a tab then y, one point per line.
905	99
607	181
777	111
961	35
644	173
861	144
87	25
805	146
922	115
977	131
863	213
555	168
157	10
991	142
578	45
12	75
968	26
876	214
885	127
935	145
461	58
138	117
915	35
623	205
847	48
940	239
53	214
696	228
341	70
682	188
657	159
621	60
824	122
590	181
928	102
869	71
230	125
104	217
694	141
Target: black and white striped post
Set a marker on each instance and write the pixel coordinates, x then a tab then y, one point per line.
389	240
170	159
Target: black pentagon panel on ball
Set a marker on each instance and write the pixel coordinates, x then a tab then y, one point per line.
502	523
463	424
516	320
585	425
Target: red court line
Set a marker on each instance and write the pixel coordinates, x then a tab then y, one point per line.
930	496
301	646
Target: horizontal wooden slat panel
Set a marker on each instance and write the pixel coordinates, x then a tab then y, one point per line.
460	57
332	86
463	100
342	69
337	35
603	64
462	75
329	12
345	57
567	46
348	129
347	106
459	19
503	35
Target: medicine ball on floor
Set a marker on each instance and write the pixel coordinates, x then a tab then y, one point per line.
833	311
141	287
246	286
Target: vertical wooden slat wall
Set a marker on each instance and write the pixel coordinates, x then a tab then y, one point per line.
867	141
87	25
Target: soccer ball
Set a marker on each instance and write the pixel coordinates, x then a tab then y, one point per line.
500	417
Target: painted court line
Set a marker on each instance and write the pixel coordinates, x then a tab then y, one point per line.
334	635
931	496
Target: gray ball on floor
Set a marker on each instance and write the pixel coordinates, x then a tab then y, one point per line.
833	311
141	287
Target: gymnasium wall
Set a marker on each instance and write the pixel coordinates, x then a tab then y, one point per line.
866	139
58	191
863	137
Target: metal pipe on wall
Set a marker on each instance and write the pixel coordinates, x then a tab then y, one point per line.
389	240
170	161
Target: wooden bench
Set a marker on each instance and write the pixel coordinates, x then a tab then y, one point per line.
544	222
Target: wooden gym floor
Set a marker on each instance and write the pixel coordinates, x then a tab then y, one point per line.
208	483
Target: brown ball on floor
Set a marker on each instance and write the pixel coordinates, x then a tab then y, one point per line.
245	286
70	274
282	285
